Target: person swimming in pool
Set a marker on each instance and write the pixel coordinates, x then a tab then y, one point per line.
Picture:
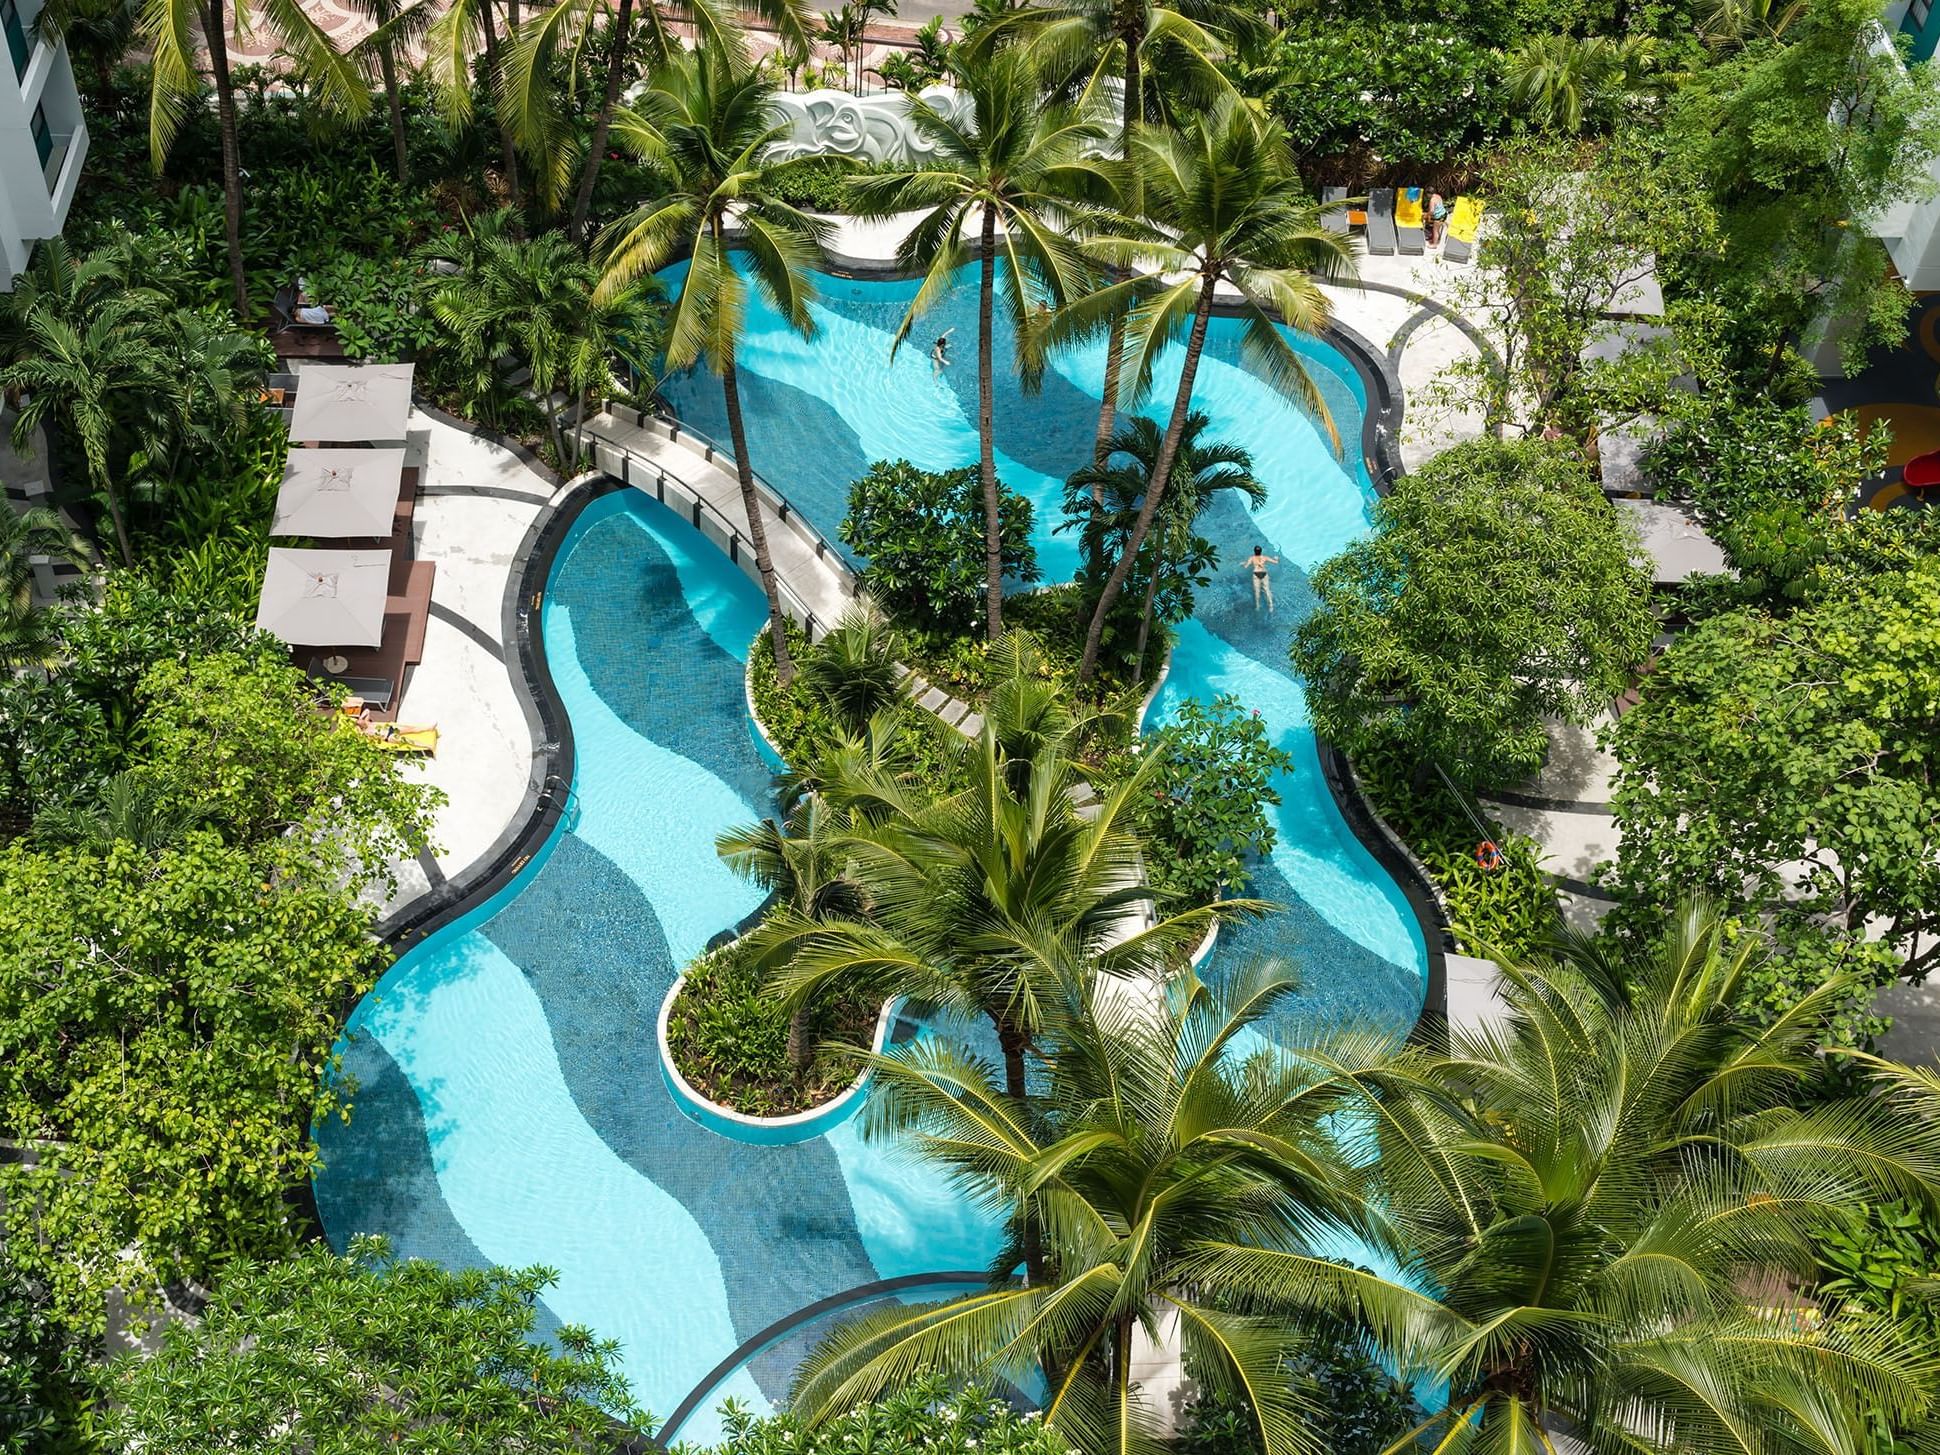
940	351
1259	561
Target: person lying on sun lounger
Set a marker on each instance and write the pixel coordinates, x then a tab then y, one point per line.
394	737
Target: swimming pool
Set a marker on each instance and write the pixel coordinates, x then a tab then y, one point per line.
510	1107
820	410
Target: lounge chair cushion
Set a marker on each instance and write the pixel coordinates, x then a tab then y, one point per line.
1464	219
1380	221
1409	236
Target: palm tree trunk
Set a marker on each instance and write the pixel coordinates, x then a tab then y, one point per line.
387	66
993	520
798	1039
1155	489
757	531
1145	619
215	31
106	486
1132	114
508	149
615	77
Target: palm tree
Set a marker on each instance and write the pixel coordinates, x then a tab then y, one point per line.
132	808
1220	202
26	639
467	32
183	35
1105	497
1731	23
802	863
537	298
1602	1212
557	36
1069	37
1017	163
1557	79
110	376
991	900
853	669
397	26
707	122
1159	1133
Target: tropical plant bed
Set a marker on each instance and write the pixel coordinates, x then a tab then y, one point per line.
1056	615
1509	910
729	1040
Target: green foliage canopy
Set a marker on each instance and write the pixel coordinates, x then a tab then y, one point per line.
1498	588
1207	812
922	532
345	1355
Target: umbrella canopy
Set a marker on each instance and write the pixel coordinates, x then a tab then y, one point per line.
347	402
325	598
338	493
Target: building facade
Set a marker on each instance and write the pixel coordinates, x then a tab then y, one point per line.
43	138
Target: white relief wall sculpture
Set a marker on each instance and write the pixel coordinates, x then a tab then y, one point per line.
877	128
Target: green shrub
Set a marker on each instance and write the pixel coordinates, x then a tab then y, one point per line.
730	1039
378	306
1207	812
929	1415
922	533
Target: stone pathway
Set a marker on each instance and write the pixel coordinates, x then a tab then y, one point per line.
1565	808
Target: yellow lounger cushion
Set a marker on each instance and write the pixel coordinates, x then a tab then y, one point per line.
1407	207
394	739
1464	218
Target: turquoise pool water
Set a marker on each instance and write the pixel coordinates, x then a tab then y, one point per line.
819	410
510	1107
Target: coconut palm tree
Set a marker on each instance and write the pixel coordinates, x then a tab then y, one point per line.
990	901
132	808
707	122
1558	79
1219	203
101	380
1105	497
1016	164
397	27
466	34
182	36
1167	1124
1602	1209
26	637
1091	39
557	38
853	669
802	862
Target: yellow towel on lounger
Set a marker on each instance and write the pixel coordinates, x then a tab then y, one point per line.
397	738
1464	218
1407	207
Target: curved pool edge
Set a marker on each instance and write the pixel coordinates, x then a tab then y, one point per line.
548	791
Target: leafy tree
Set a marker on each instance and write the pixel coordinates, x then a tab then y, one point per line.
929	1413
1601	1210
1360	1407
707	122
922	534
1219	203
362	1352
1787	762
1803	144
26	633
38	1368
1567	244
1498	588
1103	498
1158	1137
1207	813
183	36
1016	164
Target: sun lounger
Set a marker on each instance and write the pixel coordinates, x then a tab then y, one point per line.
395	737
1464	218
1333	208
376	691
1380	221
1407	222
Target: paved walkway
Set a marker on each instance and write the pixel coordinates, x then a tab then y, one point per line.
1565	808
476	503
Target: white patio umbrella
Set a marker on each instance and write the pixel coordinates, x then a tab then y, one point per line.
342	403
338	493
325	598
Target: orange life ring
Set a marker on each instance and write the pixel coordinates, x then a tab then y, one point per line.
1488	858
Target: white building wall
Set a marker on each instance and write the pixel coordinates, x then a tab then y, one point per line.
40	110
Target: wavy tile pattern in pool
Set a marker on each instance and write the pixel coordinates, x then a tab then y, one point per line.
819	410
510	1107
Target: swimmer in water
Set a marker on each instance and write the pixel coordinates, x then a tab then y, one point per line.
1262	583
940	352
